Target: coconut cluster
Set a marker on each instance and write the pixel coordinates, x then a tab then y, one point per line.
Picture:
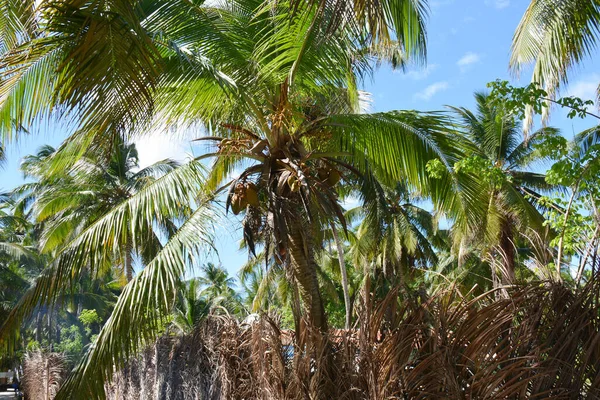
244	194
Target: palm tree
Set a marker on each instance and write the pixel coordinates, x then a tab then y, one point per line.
501	156
269	289
190	307
396	235
218	287
554	36
207	294
278	94
12	250
393	243
66	202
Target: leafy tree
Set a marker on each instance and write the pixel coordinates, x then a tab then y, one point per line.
574	171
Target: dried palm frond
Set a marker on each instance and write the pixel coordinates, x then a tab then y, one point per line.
541	341
43	373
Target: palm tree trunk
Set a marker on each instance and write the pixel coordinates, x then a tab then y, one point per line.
128	262
304	267
342	261
507	248
365	316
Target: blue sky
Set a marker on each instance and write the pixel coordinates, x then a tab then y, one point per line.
468	46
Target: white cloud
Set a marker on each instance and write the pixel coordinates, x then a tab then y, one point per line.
420	74
585	88
159	145
468	59
499	4
431	90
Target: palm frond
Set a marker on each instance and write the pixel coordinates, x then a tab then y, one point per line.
554	36
96	244
144	302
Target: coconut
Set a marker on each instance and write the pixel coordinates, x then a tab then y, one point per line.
334	177
251	194
238	203
323	174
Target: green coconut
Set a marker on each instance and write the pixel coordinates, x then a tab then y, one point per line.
334	177
251	194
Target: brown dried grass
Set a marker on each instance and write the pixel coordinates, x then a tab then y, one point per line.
543	341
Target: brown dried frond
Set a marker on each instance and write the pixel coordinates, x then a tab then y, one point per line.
541	341
43	373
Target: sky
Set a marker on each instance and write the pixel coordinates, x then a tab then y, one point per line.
468	46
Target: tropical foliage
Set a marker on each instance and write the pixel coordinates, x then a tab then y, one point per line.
554	36
467	264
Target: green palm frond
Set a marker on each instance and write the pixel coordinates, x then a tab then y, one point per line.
27	84
554	36
17	250
492	129
398	145
145	301
587	139
96	244
17	22
382	21
526	152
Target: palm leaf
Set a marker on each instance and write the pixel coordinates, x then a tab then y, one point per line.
554	36
144	302
97	243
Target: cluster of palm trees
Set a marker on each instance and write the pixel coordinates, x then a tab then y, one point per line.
272	88
41	217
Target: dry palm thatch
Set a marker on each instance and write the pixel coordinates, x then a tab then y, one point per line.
43	373
542	341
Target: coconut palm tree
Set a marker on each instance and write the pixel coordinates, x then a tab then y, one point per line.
216	281
501	156
277	92
393	243
190	307
12	274
396	235
66	202
219	288
554	36
267	288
